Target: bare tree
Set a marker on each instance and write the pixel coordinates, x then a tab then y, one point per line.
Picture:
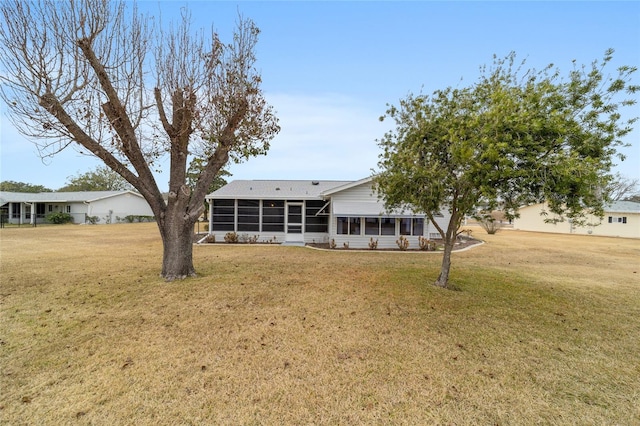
622	188
81	73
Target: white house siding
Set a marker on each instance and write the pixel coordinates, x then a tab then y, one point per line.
18	206
116	208
352	203
531	220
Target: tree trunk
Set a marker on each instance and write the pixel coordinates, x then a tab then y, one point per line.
177	244
443	278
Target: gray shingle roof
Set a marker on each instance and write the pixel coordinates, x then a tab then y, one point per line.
623	207
276	189
56	197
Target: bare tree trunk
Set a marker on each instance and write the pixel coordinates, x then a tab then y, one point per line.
177	243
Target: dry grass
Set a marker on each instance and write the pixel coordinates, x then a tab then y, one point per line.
545	329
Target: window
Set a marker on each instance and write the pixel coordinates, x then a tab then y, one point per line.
617	219
388	226
343	226
354	226
68	209
272	216
418	226
15	210
371	226
314	221
412	226
50	208
348	226
223	212
248	215
40	210
405	226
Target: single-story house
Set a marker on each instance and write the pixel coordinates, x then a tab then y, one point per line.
307	211
102	206
621	219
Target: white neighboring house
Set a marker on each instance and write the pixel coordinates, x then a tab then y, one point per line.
304	211
107	206
621	219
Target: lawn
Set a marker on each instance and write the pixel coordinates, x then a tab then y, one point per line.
542	329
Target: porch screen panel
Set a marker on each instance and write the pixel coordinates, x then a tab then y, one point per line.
273	216
223	215
249	215
315	222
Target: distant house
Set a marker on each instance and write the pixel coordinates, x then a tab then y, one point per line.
621	219
106	206
306	211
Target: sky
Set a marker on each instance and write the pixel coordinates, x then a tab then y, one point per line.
330	69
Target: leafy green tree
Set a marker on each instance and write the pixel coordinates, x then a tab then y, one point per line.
101	76
12	186
513	138
100	179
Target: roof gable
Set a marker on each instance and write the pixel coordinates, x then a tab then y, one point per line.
347	185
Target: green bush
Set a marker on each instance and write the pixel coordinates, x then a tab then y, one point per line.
59	218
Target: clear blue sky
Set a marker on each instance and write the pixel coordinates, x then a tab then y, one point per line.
330	68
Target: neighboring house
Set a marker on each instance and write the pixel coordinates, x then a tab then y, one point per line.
305	211
107	206
621	219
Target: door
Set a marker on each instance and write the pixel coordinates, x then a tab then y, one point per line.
294	222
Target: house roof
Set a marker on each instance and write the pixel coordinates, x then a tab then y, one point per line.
347	185
58	197
623	207
276	189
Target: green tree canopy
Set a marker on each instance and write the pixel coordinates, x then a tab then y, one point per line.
100	179
513	138
12	186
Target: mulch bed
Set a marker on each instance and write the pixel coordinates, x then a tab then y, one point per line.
462	243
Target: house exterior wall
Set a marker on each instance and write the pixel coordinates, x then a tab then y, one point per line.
117	205
116	208
365	193
531	220
232	211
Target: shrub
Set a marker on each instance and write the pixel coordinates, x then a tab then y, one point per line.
345	245
59	218
426	244
92	219
231	238
402	242
211	239
373	244
332	244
